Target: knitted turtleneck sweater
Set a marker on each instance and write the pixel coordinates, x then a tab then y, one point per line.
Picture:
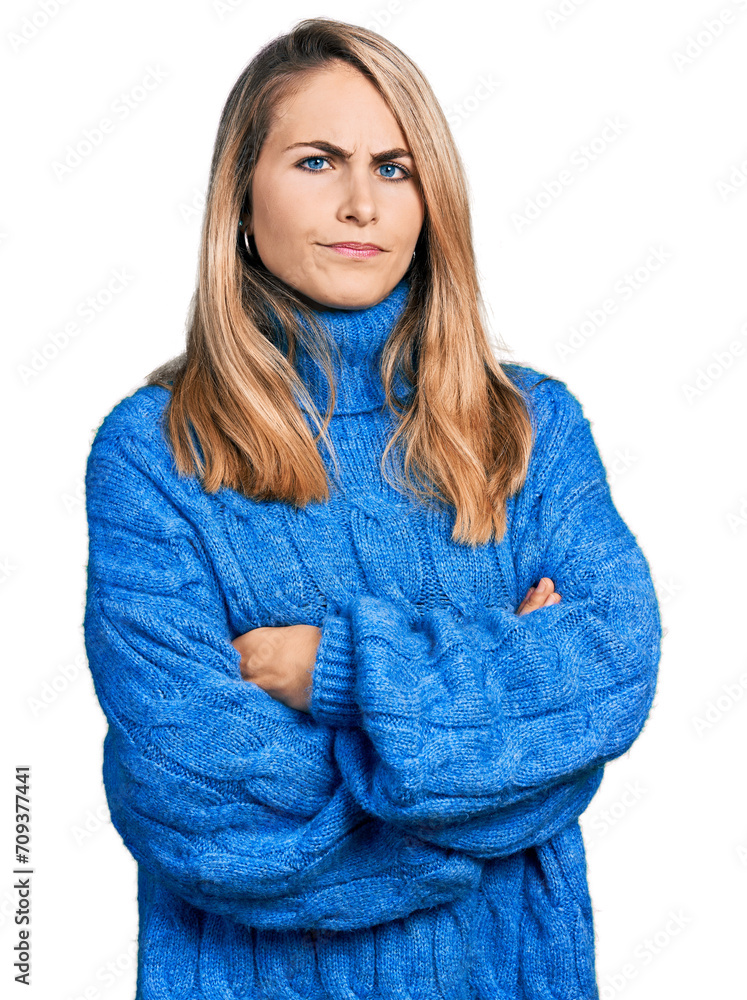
416	834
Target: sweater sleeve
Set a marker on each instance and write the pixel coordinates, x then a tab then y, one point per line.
488	732
228	796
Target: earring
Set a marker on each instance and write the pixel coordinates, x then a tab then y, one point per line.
246	241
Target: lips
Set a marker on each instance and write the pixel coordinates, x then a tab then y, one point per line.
359	251
354	246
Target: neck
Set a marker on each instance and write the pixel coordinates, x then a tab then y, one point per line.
360	336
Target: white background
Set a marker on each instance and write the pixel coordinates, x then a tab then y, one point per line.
662	377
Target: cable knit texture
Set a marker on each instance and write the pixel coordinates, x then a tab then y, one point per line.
415	835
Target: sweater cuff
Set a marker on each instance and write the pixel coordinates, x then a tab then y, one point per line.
333	678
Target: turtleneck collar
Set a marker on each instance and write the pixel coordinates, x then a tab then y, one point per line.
360	335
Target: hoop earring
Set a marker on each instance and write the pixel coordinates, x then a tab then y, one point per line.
246	240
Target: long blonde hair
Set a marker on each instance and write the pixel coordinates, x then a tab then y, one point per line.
466	430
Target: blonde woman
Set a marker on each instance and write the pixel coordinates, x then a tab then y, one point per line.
358	696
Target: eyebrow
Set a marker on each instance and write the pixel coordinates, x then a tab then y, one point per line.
328	147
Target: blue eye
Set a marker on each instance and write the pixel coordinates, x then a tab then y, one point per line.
393	165
317	158
325	159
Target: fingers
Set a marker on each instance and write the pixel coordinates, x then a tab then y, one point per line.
541	596
258	648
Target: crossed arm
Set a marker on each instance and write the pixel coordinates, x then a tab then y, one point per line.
280	659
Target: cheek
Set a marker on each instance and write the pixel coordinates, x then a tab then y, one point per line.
420	212
284	219
413	214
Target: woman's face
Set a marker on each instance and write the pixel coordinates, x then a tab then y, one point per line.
306	197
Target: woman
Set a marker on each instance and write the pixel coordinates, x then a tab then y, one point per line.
352	724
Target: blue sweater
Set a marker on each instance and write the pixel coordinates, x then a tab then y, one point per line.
416	834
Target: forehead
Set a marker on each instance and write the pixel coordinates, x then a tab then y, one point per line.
336	103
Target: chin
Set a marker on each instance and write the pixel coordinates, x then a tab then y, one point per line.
347	298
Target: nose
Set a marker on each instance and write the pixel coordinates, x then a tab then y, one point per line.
357	200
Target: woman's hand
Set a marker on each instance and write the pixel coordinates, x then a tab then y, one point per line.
280	660
541	596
